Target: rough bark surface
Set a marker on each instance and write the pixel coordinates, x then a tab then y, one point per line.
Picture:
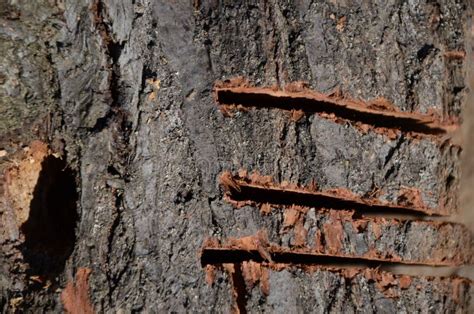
118	95
368	292
306	231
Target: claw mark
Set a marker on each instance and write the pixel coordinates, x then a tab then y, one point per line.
378	114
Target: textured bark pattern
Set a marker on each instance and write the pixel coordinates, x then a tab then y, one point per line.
122	91
319	291
28	84
336	233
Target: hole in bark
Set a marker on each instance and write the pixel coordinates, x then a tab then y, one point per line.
424	51
113	171
450	181
50	229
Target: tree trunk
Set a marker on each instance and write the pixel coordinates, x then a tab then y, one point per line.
125	127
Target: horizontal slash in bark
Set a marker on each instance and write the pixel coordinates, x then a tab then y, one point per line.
257	248
455	54
371	273
376	114
337	232
231	255
241	190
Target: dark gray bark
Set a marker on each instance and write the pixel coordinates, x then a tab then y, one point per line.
121	91
340	235
295	291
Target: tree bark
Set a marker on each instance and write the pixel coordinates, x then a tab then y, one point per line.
112	141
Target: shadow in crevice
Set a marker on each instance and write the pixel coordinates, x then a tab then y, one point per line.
50	229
